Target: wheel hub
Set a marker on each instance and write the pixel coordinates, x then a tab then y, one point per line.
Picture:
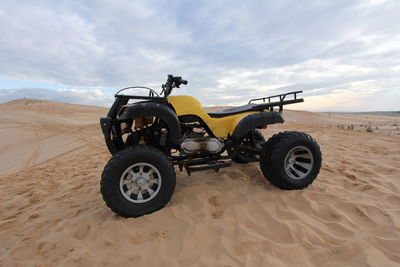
140	182
298	162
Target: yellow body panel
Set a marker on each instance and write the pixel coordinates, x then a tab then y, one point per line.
221	127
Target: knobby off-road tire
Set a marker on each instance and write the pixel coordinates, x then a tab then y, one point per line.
137	180
244	156
291	160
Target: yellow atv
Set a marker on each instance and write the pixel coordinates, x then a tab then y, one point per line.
148	135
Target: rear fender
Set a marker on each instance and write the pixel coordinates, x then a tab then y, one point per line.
255	120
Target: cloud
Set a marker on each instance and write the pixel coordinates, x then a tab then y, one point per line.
228	50
110	46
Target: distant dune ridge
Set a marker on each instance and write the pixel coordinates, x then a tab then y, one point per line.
52	155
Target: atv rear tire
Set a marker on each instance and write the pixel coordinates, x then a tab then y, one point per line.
244	156
291	160
137	180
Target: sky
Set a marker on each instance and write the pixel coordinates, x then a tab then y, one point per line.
344	55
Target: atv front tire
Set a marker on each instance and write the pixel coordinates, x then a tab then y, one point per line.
137	180
291	160
245	156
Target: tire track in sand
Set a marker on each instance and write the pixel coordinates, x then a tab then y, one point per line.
32	160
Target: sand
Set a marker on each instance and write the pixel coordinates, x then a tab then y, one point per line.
52	213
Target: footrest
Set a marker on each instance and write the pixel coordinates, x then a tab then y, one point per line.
211	166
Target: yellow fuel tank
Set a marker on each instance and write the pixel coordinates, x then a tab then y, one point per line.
221	127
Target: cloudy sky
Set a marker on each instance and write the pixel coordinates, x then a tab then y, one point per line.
344	55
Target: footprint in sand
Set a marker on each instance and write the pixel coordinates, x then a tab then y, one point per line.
83	231
333	252
135	239
33	216
213	200
217	214
159	235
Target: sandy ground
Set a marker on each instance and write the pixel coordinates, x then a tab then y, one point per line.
52	213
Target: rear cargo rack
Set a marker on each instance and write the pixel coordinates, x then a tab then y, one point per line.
268	104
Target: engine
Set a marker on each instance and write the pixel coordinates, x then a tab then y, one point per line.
201	144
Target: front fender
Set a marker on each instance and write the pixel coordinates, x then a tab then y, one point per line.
161	111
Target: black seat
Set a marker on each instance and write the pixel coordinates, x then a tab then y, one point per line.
232	111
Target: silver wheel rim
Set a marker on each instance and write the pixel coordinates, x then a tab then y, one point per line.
140	182
298	162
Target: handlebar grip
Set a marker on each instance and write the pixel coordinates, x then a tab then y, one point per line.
184	82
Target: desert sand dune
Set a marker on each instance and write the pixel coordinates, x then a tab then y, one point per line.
388	125
52	213
33	131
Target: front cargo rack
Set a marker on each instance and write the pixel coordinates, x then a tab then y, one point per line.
153	95
269	103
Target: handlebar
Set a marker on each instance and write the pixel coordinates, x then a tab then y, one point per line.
172	81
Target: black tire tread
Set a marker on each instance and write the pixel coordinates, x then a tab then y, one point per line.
124	153
271	152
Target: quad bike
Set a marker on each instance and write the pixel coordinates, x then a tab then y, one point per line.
150	135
